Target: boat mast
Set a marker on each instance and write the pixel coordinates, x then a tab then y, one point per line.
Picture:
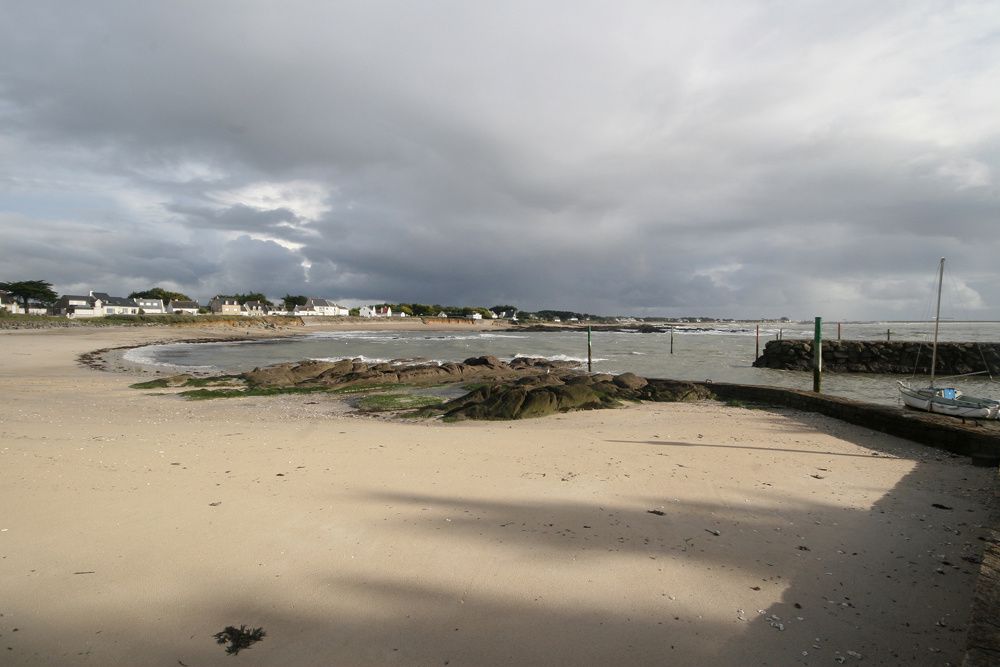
937	322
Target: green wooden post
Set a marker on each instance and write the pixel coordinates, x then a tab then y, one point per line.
818	355
590	363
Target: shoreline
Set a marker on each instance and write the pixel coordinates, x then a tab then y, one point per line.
980	440
368	542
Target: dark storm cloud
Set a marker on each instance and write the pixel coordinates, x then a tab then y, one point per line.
239	218
727	159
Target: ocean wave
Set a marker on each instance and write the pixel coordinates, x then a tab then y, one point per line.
149	356
356	335
557	357
381	336
353	357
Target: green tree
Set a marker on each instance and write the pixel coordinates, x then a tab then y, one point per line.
31	291
292	301
354	312
422	309
163	295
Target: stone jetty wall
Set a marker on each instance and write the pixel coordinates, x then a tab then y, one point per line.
863	356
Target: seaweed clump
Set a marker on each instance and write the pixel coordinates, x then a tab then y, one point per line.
238	639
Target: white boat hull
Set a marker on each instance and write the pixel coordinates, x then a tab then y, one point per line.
934	399
946	400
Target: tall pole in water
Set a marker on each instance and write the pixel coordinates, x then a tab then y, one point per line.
818	355
757	355
590	362
937	322
671	340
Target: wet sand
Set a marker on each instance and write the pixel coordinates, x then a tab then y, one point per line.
134	526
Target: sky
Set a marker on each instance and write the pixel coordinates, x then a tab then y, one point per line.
730	159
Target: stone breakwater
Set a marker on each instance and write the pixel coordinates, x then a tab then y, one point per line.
901	357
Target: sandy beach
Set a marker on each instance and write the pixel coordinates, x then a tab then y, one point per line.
136	525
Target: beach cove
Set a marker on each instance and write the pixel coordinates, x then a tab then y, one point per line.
136	526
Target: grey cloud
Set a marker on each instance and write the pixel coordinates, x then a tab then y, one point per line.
729	159
239	218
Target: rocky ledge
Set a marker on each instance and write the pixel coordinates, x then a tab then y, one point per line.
354	372
548	394
518	389
521	388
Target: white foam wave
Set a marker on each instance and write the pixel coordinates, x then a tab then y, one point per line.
352	357
355	335
381	336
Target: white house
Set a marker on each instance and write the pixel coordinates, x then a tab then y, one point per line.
150	306
322	307
223	306
10	303
183	307
256	308
476	316
71	305
372	311
116	305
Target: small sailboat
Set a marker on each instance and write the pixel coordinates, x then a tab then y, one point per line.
946	400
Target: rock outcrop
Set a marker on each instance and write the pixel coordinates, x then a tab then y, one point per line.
518	389
354	372
550	394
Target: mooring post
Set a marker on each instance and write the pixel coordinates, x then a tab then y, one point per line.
757	355
888	335
590	362
818	355
779	334
671	340
838	330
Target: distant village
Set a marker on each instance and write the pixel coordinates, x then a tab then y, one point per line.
102	304
37	298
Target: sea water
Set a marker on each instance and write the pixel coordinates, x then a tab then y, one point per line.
716	352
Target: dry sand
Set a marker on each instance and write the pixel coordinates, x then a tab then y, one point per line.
136	525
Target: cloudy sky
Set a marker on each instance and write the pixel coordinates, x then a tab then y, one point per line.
738	159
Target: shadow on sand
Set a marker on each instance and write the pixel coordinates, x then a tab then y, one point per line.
799	582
